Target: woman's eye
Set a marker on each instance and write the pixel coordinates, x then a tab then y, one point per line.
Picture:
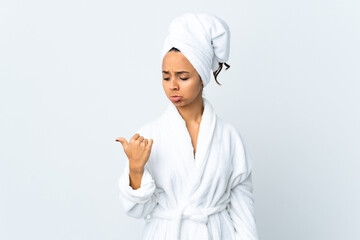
180	78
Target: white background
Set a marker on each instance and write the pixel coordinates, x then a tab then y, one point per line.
77	74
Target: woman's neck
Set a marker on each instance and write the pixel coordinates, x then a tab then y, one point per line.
192	112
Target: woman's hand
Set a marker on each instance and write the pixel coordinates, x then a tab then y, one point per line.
137	150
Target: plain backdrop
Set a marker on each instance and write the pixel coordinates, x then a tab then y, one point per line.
77	74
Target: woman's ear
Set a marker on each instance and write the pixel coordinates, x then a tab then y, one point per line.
202	83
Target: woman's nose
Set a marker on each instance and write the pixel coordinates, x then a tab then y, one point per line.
173	83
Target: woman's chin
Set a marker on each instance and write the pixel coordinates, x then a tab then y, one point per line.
177	102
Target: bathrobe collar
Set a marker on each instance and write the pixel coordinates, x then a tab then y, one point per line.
195	165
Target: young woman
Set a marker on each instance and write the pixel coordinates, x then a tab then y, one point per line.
188	173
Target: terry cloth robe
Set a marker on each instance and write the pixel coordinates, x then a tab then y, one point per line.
182	196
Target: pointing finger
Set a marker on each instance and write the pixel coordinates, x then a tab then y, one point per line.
123	141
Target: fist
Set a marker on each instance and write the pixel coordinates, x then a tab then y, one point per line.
137	150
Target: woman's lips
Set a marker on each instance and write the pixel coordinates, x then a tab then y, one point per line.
175	99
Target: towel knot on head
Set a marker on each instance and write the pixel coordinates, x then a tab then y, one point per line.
204	39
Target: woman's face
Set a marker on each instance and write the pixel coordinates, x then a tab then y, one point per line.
180	79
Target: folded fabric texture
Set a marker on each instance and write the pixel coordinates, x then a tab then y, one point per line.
145	194
203	38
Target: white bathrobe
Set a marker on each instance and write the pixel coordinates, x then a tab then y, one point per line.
208	196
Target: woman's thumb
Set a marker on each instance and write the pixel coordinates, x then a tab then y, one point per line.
123	141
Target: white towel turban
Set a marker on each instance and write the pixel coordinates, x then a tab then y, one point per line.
203	38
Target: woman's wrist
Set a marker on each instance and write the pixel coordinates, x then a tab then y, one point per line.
136	170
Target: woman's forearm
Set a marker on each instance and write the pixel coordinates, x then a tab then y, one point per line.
135	176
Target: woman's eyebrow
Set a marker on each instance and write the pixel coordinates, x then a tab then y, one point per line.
180	72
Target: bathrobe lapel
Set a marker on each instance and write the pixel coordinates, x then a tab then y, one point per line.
194	167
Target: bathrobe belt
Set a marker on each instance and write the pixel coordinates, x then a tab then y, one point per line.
187	212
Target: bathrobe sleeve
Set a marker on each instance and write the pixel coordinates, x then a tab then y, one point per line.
241	205
137	203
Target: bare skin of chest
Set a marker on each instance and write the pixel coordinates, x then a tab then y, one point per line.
193	131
